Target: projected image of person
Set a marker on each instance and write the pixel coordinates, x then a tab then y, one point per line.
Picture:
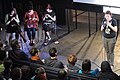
109	29
49	19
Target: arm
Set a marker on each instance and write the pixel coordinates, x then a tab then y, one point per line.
16	19
114	28
53	18
36	17
26	17
102	27
7	22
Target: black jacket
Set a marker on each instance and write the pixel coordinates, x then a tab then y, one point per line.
106	72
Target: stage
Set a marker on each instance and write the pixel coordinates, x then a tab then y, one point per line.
77	42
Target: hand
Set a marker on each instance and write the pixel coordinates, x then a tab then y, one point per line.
34	19
29	18
14	18
46	16
109	24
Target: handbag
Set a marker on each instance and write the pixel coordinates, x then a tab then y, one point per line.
51	26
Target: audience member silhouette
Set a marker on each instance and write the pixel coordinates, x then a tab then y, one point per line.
40	74
52	61
86	68
62	74
106	72
16	53
16	73
34	52
7	70
25	72
72	59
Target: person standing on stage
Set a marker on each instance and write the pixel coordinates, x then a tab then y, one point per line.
12	25
31	20
49	20
109	29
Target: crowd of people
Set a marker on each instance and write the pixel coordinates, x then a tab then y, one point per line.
9	70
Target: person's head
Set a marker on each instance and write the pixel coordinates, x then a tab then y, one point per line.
30	6
48	8
25	72
62	74
72	59
15	44
7	63
16	74
86	65
13	11
53	52
40	74
34	52
105	67
108	15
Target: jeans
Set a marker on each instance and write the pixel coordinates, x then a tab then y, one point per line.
31	33
109	45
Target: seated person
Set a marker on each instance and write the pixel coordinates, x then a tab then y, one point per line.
25	72
7	66
52	61
86	68
62	74
106	72
16	53
16	73
3	56
34	52
40	74
72	59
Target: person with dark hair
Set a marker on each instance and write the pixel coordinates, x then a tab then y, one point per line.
40	74
86	68
7	66
16	53
72	59
16	73
62	74
31	20
25	72
52	61
34	52
106	72
109	29
49	24
12	22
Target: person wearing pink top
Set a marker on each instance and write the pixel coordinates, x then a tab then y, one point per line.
31	20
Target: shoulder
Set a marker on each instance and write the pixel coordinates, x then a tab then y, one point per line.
35	12
114	20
